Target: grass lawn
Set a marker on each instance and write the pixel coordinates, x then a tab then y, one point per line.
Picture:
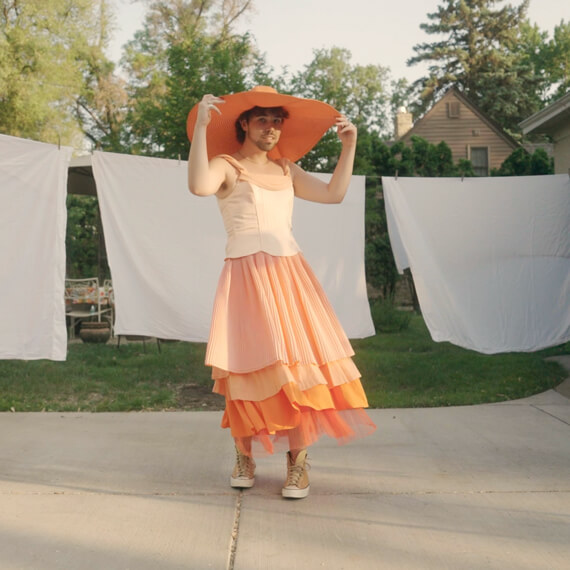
408	369
405	369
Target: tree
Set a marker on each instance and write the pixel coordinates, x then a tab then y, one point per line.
56	83
360	92
550	58
533	44
101	105
478	50
559	59
41	66
185	49
196	67
83	238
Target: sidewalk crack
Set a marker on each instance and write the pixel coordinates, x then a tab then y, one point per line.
235	532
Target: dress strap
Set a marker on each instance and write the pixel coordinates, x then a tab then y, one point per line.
234	162
268	181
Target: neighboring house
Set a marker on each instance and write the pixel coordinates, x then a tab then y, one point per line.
554	121
468	132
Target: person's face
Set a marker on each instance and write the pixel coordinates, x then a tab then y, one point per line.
263	129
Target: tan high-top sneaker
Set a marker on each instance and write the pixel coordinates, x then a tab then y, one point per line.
243	473
297	484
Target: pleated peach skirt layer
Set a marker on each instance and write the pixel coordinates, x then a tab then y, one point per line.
281	359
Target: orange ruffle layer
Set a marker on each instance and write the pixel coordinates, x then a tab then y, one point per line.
300	417
261	384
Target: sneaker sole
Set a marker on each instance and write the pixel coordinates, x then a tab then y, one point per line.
242	483
295	493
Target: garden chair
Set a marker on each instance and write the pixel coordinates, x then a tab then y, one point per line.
83	302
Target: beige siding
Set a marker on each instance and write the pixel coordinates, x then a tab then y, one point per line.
469	130
561	137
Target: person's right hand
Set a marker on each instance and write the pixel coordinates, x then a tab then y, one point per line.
205	107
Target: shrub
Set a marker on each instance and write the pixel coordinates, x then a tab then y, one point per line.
388	318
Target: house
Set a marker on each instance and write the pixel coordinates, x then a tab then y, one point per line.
554	121
469	133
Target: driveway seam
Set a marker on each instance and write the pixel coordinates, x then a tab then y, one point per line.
235	532
537	407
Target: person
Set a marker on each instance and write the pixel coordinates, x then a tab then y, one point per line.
278	353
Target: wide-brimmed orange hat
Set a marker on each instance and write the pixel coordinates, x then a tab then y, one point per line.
308	121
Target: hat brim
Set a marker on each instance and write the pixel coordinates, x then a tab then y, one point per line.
308	121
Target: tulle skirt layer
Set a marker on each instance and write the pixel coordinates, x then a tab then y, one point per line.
281	359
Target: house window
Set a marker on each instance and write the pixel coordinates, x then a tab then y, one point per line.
479	156
453	109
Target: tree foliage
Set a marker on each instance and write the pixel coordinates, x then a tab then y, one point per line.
360	92
101	105
522	163
40	66
185	49
83	237
478	50
558	57
157	119
56	83
549	57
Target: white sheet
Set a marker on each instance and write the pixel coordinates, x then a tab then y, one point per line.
33	179
166	248
490	257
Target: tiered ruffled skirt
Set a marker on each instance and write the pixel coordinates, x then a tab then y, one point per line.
281	359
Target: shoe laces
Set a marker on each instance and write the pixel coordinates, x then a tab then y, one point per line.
245	465
295	472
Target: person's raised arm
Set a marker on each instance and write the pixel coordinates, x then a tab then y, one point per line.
205	177
311	188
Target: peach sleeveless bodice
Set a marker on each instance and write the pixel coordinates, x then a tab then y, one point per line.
257	213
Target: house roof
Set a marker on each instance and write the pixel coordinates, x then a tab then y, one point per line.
548	118
492	124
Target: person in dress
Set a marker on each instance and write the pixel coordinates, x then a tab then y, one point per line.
277	351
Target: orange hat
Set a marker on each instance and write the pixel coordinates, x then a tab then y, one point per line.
308	121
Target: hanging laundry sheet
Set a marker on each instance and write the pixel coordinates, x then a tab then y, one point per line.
490	257
166	248
33	188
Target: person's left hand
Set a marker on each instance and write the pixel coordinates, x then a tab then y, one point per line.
345	130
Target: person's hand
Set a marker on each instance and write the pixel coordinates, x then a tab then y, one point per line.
345	130
205	107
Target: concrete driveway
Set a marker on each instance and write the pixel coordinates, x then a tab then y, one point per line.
469	488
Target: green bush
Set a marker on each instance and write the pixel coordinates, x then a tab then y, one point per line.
388	318
521	163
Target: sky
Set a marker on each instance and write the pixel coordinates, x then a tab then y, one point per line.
379	32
